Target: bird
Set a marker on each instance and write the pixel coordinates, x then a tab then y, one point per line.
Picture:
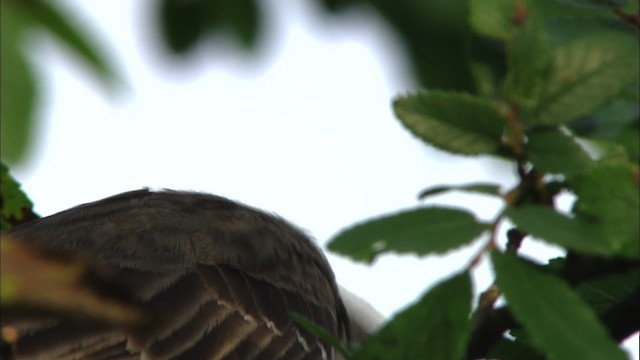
217	279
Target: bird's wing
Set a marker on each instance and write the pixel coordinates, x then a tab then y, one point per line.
219	278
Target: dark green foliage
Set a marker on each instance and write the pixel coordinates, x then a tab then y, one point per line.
18	85
15	206
549	85
435	328
562	106
184	24
557	320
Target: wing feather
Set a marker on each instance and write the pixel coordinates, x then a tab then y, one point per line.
219	277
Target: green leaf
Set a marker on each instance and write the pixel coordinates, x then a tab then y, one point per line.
454	122
548	225
422	231
609	200
13	202
550	150
604	292
17	85
587	73
320	332
555	317
528	60
183	23
243	17
482	188
61	26
492	17
435	328
618	123
603	4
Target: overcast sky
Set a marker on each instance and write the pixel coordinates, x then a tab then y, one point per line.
303	128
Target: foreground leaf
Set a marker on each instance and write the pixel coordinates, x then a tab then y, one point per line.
435	328
552	151
548	225
587	73
454	122
608	198
555	317
422	231
528	57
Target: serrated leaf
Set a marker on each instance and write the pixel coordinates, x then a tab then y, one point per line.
62	27
550	150
587	73
548	225
528	60
482	188
454	122
555	317
17	85
436	327
421	231
609	200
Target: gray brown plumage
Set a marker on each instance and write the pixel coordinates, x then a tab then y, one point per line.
219	278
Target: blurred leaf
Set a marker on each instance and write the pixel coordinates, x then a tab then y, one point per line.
608	198
62	27
422	231
604	292
619	123
482	188
492	17
18	90
454	122
554	8
36	280
437	36
435	328
603	4
562	29
555	317
321	333
528	58
548	225
243	17
610	121
587	73
15	206
550	150
183	23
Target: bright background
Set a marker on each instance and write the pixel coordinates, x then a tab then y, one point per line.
303	128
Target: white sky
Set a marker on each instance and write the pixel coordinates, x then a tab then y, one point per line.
303	129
